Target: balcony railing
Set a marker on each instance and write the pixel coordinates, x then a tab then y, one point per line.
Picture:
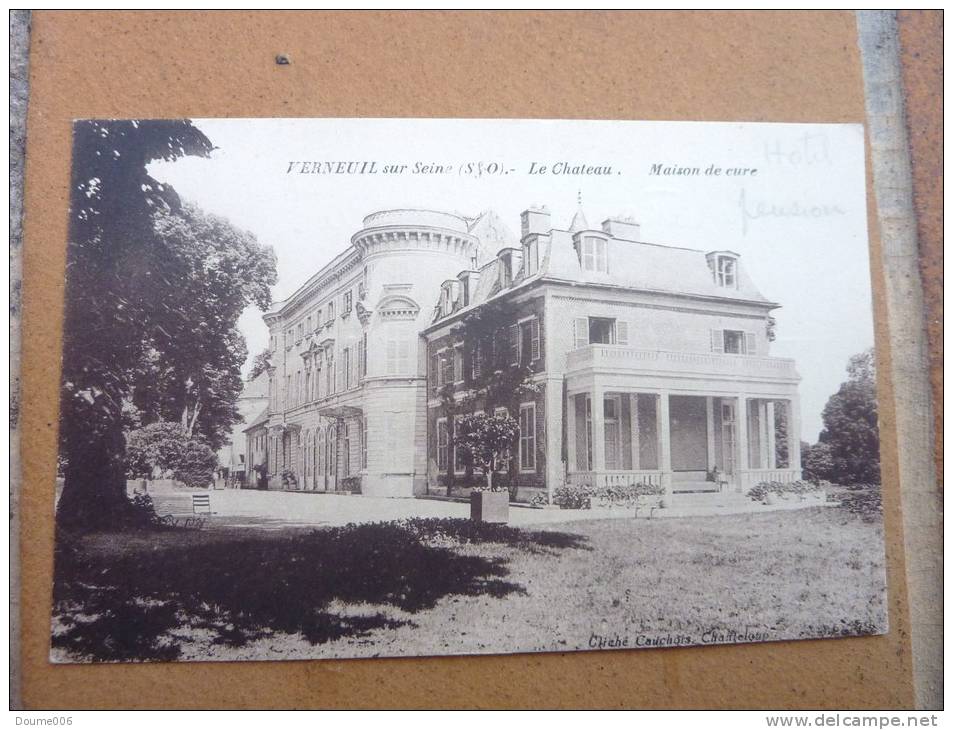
617	357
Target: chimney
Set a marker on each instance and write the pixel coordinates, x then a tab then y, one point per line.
534	220
625	228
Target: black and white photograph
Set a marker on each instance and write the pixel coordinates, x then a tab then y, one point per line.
347	388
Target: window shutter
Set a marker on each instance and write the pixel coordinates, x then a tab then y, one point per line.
717	341
581	334
534	338
514	344
475	362
621	332
751	344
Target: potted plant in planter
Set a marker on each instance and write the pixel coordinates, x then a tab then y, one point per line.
485	439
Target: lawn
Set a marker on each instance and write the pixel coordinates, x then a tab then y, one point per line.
423	587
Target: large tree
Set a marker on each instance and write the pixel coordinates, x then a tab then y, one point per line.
191	371
848	448
129	319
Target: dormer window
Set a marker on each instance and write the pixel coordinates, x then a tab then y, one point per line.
724	268
726	272
593	255
531	257
506	269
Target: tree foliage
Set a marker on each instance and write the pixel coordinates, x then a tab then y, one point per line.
500	383
150	287
261	363
155	448
486	439
848	448
191	369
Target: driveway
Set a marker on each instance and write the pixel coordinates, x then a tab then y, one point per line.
274	510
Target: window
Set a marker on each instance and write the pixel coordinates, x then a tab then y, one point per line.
300	332
362	357
476	362
458	363
317	321
459	454
601	331
287	390
308	327
398	357
528	437
329	374
444	368
529	340
347	367
347	448
531	257
348	300
442	444
513	343
592	254
726	272
307	385
330	312
364	442
734	342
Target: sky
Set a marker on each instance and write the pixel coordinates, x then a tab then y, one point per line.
789	198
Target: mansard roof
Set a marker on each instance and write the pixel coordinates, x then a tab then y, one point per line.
635	265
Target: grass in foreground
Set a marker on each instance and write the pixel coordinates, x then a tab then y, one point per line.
450	586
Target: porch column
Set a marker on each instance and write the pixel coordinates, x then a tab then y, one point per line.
710	424
571	433
598	430
794	434
769	426
743	460
663	429
634	423
552	427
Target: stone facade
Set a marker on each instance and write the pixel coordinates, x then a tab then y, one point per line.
347	387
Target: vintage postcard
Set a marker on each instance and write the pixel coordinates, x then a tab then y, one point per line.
341	388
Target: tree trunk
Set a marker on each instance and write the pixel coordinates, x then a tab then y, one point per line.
489	478
94	489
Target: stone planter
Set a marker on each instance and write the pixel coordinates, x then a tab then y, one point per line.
490	506
770	498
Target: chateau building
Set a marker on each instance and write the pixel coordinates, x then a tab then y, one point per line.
647	363
347	384
636	362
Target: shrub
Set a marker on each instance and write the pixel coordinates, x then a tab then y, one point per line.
289	479
196	468
799	488
573	497
142	510
864	500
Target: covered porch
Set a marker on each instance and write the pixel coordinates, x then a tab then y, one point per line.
720	426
